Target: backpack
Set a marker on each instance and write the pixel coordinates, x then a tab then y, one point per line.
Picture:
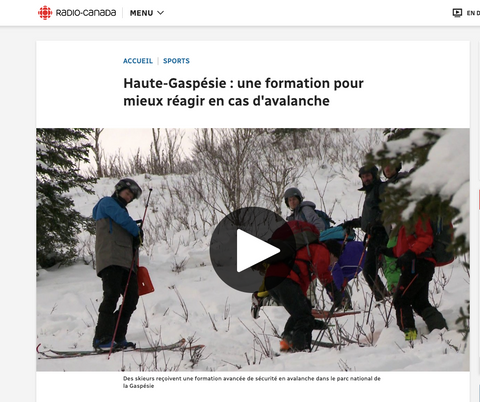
300	232
442	240
350	263
336	233
323	215
290	237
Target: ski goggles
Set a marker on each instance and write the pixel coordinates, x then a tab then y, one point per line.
131	185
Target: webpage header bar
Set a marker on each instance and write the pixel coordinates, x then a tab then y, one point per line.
246	13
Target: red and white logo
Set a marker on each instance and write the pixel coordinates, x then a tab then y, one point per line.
45	13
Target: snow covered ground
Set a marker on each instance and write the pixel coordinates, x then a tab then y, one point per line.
190	301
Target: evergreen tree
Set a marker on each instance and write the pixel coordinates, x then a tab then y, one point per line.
464	320
59	152
405	203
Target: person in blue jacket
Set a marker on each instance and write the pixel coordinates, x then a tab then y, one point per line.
118	238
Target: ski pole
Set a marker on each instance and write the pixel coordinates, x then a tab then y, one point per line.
146	206
327	322
361	259
344	242
330	313
135	256
389	313
370	308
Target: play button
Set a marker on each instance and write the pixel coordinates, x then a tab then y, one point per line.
240	242
251	251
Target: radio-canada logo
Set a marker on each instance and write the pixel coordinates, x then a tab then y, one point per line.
45	13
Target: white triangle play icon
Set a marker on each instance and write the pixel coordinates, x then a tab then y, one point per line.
251	250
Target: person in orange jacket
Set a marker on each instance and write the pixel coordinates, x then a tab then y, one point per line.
417	267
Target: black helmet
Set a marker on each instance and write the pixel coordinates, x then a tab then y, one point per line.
292	192
131	185
368	169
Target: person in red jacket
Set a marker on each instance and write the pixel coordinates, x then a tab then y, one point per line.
417	271
287	284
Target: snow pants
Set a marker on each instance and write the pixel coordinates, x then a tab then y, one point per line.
370	269
412	295
299	326
114	282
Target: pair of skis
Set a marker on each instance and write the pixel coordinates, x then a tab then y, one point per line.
180	345
323	314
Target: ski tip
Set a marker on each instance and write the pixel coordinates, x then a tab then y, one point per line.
38	351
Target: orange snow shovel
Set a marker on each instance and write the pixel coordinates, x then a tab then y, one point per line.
145	285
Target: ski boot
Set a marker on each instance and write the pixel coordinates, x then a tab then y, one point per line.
410	334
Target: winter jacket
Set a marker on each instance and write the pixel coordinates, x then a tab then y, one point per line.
397	177
310	262
305	211
418	241
115	230
371	213
392	180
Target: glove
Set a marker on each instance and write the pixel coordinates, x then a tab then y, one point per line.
320	325
335	294
375	229
406	259
353	223
386	251
138	240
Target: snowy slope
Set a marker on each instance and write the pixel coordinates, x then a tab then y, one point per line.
219	317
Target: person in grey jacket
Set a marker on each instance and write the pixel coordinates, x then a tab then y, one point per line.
302	210
117	240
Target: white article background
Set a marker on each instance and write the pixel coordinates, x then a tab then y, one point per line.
406	84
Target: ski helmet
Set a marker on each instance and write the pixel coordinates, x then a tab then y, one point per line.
292	192
131	185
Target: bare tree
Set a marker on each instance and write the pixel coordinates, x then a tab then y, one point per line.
278	166
226	178
165	150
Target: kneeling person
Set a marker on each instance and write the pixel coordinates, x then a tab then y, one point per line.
287	285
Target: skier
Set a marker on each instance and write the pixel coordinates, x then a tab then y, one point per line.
118	238
416	271
393	173
287	284
303	211
371	224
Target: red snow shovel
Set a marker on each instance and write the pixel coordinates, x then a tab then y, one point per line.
145	285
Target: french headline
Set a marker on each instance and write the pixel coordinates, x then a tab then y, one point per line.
192	93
